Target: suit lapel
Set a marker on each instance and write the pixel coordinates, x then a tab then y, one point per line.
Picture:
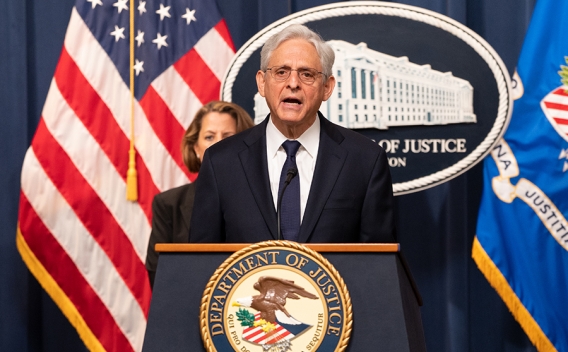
256	172
330	160
186	206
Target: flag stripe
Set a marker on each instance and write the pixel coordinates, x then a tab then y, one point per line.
98	170
96	218
92	111
64	272
557	97
82	248
215	53
562	91
561	114
278	334
205	85
223	31
176	94
556	106
561	121
147	189
164	123
252	333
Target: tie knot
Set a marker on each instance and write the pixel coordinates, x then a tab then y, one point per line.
291	147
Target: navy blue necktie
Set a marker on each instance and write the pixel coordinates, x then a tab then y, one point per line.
290	210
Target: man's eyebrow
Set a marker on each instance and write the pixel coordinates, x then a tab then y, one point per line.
299	68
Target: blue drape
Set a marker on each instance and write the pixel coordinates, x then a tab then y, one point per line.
436	227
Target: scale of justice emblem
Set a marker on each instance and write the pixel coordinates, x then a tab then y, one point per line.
276	296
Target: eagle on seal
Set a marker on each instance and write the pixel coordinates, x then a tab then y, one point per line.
272	298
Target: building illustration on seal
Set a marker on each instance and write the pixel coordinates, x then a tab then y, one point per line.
376	90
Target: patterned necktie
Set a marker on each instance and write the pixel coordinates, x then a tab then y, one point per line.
290	209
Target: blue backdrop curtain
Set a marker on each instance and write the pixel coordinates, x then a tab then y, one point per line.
436	227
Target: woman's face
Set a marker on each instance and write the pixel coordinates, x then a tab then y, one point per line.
214	127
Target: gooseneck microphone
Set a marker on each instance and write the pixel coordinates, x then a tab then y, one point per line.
292	172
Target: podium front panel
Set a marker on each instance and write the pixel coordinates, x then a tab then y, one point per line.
386	315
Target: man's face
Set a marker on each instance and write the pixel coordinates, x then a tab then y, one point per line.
294	104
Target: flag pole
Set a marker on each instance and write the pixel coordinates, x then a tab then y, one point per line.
131	174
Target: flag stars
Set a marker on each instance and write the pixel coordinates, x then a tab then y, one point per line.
139	38
160	41
189	15
94	3
121	5
118	33
138	67
142	7
164	11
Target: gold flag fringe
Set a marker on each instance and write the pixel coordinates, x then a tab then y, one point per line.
500	284
57	294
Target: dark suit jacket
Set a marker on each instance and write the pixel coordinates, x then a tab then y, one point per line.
350	197
171	216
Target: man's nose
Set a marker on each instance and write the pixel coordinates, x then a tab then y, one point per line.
294	79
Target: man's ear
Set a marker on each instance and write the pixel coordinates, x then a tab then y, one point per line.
328	87
260	82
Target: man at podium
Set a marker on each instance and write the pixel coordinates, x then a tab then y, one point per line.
323	182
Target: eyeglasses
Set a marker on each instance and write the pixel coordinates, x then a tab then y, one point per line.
306	75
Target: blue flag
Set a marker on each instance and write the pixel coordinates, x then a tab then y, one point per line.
522	231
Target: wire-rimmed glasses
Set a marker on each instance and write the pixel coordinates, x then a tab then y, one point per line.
305	74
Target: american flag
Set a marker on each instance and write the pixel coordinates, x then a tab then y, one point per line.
79	236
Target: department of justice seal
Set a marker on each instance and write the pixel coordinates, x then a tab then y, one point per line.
276	296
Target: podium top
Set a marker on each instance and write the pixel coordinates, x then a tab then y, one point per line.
318	247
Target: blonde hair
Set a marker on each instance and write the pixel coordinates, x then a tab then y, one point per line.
243	119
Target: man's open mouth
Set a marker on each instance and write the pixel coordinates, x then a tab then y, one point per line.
292	101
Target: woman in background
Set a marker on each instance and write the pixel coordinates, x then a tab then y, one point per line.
171	210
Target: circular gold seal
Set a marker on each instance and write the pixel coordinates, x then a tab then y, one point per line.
276	296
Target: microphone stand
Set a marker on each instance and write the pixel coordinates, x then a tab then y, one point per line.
292	172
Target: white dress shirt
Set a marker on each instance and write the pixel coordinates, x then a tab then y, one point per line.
305	159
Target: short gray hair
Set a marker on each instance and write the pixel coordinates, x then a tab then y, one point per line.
299	31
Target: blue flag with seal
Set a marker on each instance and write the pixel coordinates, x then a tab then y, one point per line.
522	232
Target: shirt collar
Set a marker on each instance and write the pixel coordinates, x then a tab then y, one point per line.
309	139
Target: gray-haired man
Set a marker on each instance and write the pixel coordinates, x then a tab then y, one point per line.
345	190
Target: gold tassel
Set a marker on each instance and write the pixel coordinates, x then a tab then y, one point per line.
132	174
132	177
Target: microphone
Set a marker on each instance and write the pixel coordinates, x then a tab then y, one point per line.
292	172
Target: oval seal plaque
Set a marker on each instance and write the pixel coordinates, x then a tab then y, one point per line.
276	296
429	90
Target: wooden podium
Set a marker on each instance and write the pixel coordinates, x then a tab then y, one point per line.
386	303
